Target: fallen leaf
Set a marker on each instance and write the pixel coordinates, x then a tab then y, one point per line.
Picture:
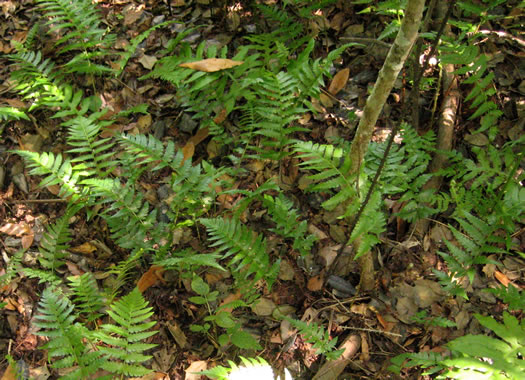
144	122
10	373
148	61
504	280
85	249
228	299
150	278
326	100
339	81
177	334
188	150
27	240
200	136
17	229
333	368
196	366
211	65
315	283
221	116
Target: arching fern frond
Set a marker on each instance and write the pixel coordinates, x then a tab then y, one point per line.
86	296
128	216
66	346
56	170
249	258
332	165
77	24
125	350
12	113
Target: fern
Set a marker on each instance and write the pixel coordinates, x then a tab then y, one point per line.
287	220
12	113
469	251
318	336
248	251
57	171
476	356
77	23
66	346
87	298
124	270
332	165
128	215
126	353
188	259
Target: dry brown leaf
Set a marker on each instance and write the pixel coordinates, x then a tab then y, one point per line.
200	136
326	100
228	299
10	373
17	229
339	81
27	240
188	150
196	366
85	249
221	116
315	283
333	368
211	65
150	278
503	279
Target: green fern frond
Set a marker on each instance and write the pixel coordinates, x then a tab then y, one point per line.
43	276
287	220
332	166
125	350
87	298
77	22
12	113
124	270
248	251
66	346
128	215
187	259
94	152
56	170
252	367
55	242
147	149
318	336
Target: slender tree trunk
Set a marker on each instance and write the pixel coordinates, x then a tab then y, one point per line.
393	64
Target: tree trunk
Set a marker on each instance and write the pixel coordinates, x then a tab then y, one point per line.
394	62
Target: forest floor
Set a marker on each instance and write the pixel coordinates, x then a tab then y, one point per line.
397	317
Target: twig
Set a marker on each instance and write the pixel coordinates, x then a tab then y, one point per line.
371	330
54	200
366	40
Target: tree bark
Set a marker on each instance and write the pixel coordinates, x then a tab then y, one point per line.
394	62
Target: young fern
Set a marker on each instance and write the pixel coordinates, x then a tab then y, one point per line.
77	23
53	251
470	251
86	296
12	113
125	353
287	223
67	344
318	336
475	356
249	260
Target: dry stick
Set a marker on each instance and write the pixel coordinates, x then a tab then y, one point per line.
394	62
23	201
446	123
416	72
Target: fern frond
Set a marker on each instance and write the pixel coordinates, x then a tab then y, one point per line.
126	354
56	170
287	220
187	258
252	367
77	21
56	320
55	242
87	298
12	113
128	216
318	336
124	270
332	166
248	251
147	149
94	152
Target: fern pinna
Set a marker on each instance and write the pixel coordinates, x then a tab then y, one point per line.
250	261
70	343
78	352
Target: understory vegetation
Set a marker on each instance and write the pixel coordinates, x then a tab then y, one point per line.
221	218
